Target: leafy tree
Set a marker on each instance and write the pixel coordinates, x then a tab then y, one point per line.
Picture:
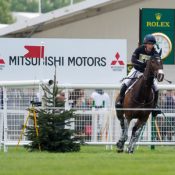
6	6
32	5
5	14
75	1
50	5
24	5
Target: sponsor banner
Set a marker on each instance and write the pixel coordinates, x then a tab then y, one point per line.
160	23
78	61
157	19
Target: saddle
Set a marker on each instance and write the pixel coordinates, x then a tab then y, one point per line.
132	83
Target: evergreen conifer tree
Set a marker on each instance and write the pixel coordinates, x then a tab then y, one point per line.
53	135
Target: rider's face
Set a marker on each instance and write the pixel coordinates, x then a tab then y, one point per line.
149	47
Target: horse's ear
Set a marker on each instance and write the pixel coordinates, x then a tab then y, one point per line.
160	53
156	56
158	49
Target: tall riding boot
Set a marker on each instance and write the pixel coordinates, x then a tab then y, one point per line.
157	111
122	95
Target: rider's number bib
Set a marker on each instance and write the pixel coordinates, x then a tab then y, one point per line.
144	58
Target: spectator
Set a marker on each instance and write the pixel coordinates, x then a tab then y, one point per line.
166	124
60	99
169	101
77	97
61	96
100	99
83	122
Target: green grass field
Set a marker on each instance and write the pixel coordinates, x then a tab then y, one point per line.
91	160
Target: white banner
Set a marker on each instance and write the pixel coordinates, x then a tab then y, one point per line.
78	61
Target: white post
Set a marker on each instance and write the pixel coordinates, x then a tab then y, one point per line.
1	117
94	125
5	117
1	128
66	93
67	107
71	2
149	128
110	128
39	6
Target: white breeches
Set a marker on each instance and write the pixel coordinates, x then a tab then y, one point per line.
135	73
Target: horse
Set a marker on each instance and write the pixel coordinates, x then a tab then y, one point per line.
139	95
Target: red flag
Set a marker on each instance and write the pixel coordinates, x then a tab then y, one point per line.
34	52
2	61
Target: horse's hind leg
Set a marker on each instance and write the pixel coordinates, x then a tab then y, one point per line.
135	135
124	134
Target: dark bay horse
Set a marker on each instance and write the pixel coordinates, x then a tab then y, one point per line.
140	95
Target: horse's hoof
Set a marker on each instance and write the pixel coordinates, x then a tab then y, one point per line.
120	151
130	152
119	145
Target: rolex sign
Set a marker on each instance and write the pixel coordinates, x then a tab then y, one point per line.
160	23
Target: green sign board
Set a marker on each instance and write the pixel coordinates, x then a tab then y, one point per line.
160	23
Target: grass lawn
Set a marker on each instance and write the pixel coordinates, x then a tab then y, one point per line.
91	160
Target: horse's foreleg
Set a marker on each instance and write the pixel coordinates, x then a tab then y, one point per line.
124	134
135	136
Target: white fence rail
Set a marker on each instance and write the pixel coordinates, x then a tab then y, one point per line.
96	123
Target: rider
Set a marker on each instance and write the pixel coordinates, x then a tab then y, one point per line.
142	53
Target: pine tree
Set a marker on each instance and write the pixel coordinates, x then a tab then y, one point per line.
51	121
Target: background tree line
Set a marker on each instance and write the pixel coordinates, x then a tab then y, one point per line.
8	6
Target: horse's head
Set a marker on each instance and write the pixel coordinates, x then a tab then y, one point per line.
156	67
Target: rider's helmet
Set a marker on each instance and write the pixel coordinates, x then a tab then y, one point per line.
149	39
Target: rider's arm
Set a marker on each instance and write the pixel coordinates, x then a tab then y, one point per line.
136	62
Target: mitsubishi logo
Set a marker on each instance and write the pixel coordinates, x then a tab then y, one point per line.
117	60
2	63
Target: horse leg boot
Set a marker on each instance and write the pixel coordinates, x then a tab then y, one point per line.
134	138
121	96
124	135
156	96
